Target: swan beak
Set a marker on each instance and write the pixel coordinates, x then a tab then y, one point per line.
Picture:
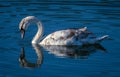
22	33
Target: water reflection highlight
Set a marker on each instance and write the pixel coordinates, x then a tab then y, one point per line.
74	51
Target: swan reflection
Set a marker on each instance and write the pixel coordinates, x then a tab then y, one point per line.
60	51
74	51
25	63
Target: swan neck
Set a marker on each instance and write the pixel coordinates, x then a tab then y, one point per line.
39	33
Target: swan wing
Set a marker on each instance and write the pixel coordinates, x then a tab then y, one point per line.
67	37
61	37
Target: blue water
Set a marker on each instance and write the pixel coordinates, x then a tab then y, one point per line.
18	57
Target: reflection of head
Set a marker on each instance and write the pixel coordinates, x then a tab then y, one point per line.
25	63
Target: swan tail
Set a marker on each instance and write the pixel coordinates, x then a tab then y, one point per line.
99	39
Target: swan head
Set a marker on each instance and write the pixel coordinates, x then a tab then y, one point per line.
25	22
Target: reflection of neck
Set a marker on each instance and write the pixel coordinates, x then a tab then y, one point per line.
38	52
39	33
26	63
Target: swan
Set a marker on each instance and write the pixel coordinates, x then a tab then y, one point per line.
68	37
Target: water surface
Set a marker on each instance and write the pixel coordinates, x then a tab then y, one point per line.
101	17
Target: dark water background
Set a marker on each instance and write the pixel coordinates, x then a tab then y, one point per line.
100	16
